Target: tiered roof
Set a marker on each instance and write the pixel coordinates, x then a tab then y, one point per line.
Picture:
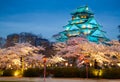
83	24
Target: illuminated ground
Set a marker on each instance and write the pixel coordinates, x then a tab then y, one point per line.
14	79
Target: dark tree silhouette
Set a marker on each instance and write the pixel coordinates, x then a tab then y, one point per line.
2	42
119	33
25	37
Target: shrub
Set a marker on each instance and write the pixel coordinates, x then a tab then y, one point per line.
32	72
8	72
1	72
68	72
111	73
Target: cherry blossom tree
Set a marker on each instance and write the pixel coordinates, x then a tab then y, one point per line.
12	57
78	47
76	51
57	59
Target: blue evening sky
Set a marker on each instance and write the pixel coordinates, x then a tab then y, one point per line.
47	17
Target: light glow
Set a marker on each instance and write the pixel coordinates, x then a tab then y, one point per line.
118	64
97	72
17	73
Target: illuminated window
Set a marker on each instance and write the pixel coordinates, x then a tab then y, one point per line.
87	32
81	21
83	26
81	16
84	16
86	8
89	26
77	22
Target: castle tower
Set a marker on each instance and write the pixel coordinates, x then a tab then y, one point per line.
82	24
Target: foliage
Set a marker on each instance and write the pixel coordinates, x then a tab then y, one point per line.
32	72
76	52
80	49
56	59
111	73
119	33
11	57
2	42
26	37
107	73
68	72
1	72
8	72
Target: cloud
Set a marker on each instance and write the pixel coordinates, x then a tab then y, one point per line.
38	23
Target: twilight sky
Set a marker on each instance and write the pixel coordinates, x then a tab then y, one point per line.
47	17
